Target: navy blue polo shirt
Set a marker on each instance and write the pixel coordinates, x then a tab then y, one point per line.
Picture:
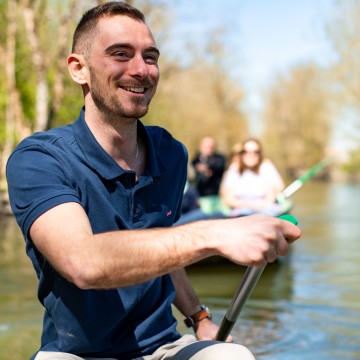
67	164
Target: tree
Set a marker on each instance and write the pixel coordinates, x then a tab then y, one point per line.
39	94
9	61
31	91
38	20
194	100
296	117
344	30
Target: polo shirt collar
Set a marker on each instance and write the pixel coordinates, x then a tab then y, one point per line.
102	162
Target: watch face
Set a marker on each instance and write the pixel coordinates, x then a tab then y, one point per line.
209	313
204	307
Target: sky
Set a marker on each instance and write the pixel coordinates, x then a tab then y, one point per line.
264	38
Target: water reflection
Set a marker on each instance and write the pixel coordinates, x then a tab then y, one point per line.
305	307
20	312
326	267
260	322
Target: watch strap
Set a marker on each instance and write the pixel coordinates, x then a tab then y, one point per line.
204	313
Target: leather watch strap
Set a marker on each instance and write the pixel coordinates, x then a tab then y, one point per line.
204	313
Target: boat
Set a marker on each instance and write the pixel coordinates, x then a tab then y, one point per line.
213	207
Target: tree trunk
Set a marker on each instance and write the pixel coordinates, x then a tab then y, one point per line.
10	88
42	88
60	70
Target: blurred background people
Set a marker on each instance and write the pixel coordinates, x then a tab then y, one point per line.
251	182
209	166
190	208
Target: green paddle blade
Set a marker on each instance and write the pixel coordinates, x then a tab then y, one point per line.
289	218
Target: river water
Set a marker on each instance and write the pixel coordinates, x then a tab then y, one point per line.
306	306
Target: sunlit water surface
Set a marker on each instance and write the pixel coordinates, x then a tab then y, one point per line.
307	306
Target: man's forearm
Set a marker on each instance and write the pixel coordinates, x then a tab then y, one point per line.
145	254
127	257
117	258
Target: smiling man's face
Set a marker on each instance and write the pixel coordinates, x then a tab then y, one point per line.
123	67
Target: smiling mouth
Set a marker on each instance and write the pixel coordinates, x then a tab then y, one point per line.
137	90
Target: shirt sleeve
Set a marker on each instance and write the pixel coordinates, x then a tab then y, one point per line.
37	182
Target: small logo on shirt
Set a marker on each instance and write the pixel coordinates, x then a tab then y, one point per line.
168	213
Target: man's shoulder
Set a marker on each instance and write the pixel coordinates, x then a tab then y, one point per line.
43	146
162	138
48	137
158	132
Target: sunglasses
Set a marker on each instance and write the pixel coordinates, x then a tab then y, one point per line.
256	152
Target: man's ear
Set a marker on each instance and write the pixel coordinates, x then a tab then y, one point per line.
77	68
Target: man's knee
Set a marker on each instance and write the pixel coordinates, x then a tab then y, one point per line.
228	351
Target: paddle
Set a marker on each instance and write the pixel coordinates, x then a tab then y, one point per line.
247	285
253	273
298	183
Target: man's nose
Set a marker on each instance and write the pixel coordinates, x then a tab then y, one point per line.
138	67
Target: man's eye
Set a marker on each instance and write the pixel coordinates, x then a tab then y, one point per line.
120	55
151	59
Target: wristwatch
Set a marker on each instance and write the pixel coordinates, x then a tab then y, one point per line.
204	313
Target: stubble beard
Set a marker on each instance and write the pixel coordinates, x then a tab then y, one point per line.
111	105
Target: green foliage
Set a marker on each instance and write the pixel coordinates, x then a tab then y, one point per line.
25	78
2	133
297	119
3	21
70	105
2	108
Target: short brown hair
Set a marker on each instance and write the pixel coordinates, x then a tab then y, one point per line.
90	18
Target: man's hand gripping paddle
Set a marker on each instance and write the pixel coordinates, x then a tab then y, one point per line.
247	285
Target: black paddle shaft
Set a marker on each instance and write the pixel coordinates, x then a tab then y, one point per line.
247	285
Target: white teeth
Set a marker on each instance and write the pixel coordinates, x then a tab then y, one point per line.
136	90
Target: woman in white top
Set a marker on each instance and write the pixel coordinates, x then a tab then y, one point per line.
251	183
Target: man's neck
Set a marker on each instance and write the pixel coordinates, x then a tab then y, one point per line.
118	136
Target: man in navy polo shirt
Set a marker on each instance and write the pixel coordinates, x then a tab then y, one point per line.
96	201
